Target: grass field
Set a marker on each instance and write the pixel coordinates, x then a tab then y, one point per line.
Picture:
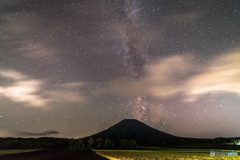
16	151
165	154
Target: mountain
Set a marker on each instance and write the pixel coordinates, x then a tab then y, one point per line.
131	129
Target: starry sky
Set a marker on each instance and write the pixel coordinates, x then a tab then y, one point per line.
74	68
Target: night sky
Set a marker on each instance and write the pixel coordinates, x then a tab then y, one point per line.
72	68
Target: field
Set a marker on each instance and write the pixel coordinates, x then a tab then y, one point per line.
53	155
159	154
165	154
16	151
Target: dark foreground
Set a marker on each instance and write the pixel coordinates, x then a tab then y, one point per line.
54	155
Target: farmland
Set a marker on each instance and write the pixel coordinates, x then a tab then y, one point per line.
16	151
54	155
167	154
157	154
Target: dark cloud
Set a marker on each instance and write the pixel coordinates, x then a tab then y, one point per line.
8	133
36	134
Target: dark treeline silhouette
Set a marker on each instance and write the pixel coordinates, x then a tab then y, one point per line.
180	141
64	143
99	143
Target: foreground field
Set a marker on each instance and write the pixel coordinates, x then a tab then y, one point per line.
53	155
16	151
176	154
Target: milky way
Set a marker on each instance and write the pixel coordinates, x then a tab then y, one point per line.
74	68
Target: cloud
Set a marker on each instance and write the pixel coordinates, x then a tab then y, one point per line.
21	88
184	17
36	50
68	92
160	79
66	96
8	133
30	43
182	74
9	2
75	84
36	134
12	74
223	75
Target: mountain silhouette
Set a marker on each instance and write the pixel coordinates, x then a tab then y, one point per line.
131	128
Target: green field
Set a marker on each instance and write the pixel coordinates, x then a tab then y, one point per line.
165	154
16	151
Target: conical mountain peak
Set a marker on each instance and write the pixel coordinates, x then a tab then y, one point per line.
131	128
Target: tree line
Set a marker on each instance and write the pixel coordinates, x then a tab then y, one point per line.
64	143
99	143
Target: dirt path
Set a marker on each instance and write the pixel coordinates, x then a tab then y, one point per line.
54	155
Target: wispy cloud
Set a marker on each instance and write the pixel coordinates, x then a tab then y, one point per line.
21	88
177	74
184	17
222	75
36	50
66	96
